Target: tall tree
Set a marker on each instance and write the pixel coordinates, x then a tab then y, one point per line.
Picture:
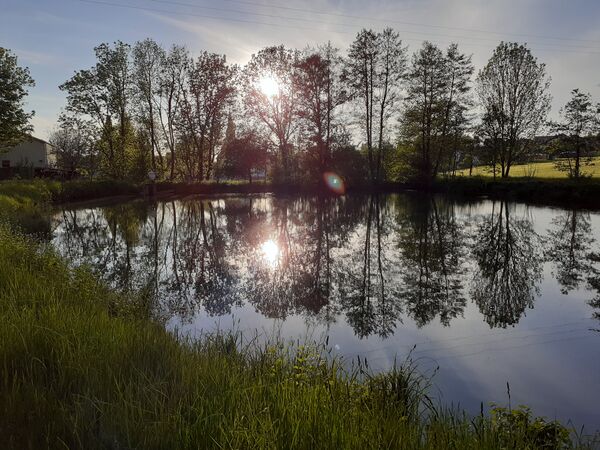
577	125
513	91
457	102
148	60
172	80
205	101
319	94
14	81
102	95
391	65
270	97
375	66
361	79
436	104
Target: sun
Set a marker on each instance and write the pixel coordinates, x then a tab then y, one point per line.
269	86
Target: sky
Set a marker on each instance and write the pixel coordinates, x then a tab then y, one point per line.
55	38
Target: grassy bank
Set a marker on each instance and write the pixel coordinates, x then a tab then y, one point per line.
84	367
562	192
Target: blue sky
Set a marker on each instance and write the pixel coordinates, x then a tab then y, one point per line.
54	38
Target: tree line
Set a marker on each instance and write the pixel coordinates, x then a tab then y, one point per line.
371	114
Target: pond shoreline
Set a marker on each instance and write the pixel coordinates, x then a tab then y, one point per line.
551	192
90	354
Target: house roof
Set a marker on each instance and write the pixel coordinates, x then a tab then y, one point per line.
33	138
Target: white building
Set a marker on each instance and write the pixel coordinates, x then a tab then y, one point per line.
32	153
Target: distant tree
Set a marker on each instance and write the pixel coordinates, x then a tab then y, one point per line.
271	100
513	91
375	67
577	125
74	145
14	81
319	94
243	155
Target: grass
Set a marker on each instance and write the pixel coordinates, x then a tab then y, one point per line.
543	169
84	367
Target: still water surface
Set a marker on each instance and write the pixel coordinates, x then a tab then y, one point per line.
488	291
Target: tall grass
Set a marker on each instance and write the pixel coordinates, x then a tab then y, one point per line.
23	204
84	367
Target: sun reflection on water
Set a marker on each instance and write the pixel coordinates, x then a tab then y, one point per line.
270	252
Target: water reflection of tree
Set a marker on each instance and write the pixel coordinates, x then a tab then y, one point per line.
432	246
335	255
366	286
593	282
506	250
201	275
569	242
106	240
300	281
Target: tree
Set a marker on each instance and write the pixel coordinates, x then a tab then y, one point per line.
243	155
74	145
457	102
270	97
391	71
101	95
359	74
172	79
205	101
148	61
375	66
577	125
14	81
435	114
513	91
319	94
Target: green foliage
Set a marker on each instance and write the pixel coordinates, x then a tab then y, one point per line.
14	81
538	433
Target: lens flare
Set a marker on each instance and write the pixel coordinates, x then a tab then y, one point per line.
334	182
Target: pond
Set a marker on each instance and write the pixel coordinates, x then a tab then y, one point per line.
481	293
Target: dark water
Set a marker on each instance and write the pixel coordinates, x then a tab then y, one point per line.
489	291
